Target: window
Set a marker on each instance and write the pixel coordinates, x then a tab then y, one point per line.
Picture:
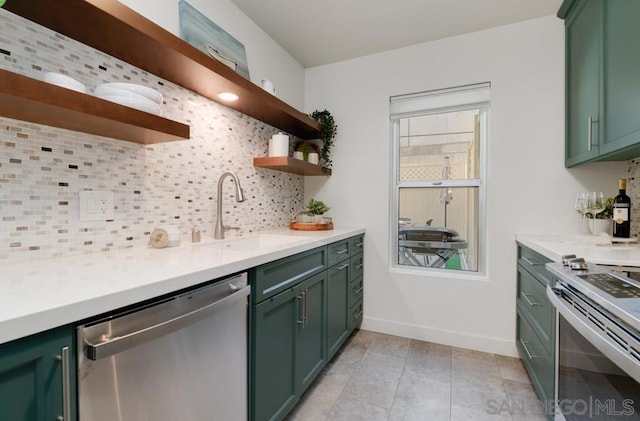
439	140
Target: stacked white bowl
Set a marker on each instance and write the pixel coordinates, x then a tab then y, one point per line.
131	95
64	81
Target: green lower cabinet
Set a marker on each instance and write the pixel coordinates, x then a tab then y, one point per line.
338	308
274	325
289	347
311	334
296	331
31	377
538	361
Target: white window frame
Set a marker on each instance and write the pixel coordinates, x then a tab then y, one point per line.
436	102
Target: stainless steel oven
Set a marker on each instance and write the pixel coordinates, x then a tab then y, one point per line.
597	344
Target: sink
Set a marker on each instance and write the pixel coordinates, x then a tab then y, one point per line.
258	242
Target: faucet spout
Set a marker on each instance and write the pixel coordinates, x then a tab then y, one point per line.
218	233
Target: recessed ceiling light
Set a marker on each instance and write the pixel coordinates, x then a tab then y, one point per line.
228	96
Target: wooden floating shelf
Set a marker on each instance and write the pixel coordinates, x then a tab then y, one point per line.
289	165
28	99
115	29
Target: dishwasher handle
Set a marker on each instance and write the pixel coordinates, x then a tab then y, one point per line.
105	348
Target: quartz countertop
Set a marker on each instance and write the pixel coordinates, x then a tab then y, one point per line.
39	295
594	249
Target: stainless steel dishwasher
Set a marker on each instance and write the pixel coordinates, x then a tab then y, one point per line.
181	358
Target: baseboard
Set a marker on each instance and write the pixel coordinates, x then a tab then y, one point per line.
444	337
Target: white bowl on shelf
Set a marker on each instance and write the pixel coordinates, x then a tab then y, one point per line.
143	105
145	91
107	90
64	81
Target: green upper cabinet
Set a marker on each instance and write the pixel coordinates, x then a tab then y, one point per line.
37	377
602	81
621	79
583	31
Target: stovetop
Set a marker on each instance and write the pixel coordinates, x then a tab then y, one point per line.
616	293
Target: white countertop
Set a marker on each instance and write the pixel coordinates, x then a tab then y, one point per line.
587	246
39	295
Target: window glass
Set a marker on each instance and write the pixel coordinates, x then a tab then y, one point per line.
439	190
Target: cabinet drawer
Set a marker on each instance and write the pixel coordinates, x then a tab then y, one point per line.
339	251
357	265
537	360
274	277
532	297
534	263
357	244
356	315
357	288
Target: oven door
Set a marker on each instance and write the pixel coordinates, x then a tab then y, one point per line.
596	360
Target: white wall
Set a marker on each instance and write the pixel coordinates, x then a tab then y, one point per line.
528	188
266	58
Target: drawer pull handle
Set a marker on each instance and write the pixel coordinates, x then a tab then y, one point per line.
343	251
359	266
357	315
526	298
358	291
360	244
346	265
531	262
526	349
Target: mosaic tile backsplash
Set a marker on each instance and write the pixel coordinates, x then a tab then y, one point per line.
43	169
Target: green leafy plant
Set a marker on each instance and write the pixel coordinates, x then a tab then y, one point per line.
607	213
317	207
328	130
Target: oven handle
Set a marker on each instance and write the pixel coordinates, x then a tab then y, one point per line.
601	342
108	348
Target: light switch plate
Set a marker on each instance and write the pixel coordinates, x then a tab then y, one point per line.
96	205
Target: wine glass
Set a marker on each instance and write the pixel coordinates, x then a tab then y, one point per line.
595	205
581	206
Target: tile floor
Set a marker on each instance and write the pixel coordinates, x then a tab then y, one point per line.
382	377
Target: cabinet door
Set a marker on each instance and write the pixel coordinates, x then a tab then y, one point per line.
31	377
583	43
311	330
621	78
274	324
338	315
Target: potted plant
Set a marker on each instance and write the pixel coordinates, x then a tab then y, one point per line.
603	220
328	130
317	208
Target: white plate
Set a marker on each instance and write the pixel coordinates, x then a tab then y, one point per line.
107	90
64	81
150	93
133	103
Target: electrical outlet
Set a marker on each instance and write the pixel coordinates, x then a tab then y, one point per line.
96	205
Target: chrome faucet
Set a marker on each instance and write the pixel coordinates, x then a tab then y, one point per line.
218	233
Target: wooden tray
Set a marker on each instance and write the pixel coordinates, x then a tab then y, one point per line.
310	227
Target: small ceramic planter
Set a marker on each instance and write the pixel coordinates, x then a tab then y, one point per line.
598	226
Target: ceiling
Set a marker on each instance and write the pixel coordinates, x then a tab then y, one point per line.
326	31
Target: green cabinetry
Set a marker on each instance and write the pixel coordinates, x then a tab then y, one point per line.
338	291
38	377
288	347
301	314
602	81
535	322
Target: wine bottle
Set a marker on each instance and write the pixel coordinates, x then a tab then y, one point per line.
622	211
